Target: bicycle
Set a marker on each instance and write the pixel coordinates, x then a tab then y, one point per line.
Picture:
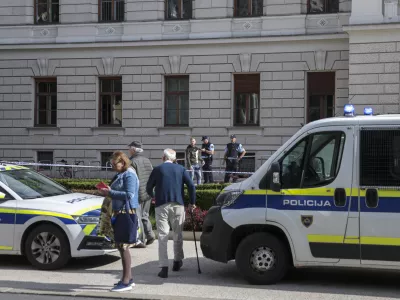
69	172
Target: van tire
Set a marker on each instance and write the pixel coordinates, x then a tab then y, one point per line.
58	247
262	258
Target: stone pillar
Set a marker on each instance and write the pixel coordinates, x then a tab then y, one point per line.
366	12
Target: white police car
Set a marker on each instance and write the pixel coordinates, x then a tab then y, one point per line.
330	196
44	221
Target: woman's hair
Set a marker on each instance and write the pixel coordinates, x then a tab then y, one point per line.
119	156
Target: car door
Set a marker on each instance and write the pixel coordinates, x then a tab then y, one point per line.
379	196
314	201
7	220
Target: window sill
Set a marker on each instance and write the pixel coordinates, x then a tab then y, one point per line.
37	130
108	130
184	130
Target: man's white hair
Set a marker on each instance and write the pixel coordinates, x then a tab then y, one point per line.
170	154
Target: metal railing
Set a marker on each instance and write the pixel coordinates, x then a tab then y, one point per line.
92	169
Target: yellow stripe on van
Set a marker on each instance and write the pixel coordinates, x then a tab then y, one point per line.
317	238
384	241
255	192
4	248
365	240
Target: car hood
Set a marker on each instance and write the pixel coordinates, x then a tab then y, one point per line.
74	204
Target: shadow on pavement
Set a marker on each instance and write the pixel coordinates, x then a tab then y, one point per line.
21	263
380	284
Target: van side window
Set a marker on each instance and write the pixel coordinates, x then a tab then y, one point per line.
5	196
314	161
292	166
380	157
324	158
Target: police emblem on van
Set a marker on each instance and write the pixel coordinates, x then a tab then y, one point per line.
307	220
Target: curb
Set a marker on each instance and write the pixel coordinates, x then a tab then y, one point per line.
187	235
99	295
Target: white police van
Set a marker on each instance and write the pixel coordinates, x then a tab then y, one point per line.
330	196
44	221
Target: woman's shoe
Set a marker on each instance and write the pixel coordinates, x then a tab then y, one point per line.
131	283
121	287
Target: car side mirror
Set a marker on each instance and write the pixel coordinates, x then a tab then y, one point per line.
274	177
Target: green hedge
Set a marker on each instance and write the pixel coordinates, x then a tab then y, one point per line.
204	198
89	184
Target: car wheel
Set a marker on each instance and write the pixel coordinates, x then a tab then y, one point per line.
262	258
47	248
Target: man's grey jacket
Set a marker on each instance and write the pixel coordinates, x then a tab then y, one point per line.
143	168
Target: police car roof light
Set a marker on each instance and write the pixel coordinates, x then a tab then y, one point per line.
349	110
368	111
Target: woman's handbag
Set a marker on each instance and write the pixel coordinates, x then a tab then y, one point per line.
125	226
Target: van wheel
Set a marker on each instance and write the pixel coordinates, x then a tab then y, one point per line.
47	248
262	258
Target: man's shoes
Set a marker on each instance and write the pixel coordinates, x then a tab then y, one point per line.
177	266
163	273
150	241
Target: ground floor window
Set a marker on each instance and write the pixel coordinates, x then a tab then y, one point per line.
45	157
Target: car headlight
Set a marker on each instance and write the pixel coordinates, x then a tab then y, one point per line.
87	220
226	199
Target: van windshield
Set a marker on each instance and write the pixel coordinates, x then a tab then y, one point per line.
29	184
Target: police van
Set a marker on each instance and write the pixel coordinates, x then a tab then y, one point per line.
46	222
330	196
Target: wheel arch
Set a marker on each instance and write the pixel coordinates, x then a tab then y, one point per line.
245	230
34	225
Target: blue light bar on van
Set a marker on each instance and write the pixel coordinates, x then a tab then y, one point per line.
368	111
349	110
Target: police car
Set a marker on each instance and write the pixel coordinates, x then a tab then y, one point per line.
330	196
44	221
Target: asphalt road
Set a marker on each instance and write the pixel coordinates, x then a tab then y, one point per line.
93	277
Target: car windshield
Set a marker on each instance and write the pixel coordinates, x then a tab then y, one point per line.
29	184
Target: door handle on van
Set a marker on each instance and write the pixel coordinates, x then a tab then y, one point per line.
371	198
340	197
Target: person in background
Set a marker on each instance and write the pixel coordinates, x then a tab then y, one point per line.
193	160
125	186
168	181
143	168
207	152
234	152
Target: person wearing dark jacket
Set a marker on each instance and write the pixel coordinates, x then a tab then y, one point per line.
168	180
143	168
194	160
207	152
234	152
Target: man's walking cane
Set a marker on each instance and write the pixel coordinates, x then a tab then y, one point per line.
195	242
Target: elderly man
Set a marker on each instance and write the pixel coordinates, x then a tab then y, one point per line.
168	180
143	168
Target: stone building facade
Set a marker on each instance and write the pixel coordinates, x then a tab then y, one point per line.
82	78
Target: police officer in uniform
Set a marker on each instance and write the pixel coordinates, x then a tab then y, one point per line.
207	152
234	152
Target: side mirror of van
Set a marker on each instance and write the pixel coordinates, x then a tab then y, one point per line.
274	177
